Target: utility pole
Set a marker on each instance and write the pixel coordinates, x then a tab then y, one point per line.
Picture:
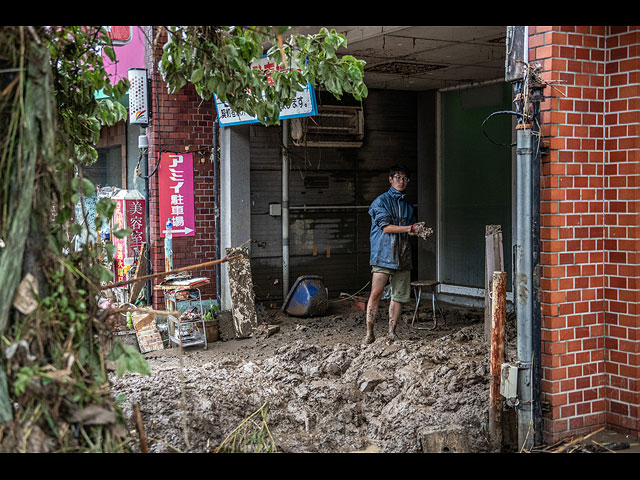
527	263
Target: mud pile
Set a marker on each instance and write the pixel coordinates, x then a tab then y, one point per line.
324	391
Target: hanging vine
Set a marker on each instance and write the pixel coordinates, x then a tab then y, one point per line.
54	392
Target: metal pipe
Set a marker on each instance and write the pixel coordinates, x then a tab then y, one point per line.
470	84
216	205
143	145
334	207
285	210
330	207
168	246
523	286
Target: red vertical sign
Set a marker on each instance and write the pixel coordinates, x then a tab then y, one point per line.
175	177
135	221
129	213
118	222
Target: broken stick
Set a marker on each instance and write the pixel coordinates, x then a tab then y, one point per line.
577	440
177	270
141	434
141	310
142	267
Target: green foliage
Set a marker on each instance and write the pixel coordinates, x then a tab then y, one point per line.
52	115
217	60
24	377
128	358
78	72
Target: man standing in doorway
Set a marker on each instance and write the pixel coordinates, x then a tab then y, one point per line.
392	221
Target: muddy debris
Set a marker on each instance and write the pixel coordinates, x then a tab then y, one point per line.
324	391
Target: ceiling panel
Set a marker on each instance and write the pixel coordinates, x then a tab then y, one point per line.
425	57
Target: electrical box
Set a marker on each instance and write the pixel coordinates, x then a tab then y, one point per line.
275	209
516	54
138	97
509	380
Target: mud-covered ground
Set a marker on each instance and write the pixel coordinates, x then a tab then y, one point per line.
322	390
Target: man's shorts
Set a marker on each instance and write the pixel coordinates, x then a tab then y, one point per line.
400	281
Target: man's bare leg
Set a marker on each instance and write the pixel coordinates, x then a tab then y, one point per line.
395	309
378	282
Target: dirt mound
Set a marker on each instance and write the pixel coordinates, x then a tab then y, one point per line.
324	391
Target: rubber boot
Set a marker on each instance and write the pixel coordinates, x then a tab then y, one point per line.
391	335
370	337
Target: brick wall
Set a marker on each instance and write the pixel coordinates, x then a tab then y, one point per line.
622	241
183	123
589	227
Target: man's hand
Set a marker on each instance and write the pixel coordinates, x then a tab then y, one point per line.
419	230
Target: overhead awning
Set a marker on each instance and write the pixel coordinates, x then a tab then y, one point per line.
124	100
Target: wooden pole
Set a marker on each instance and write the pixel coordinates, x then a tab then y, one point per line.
142	267
141	434
494	262
177	270
498	319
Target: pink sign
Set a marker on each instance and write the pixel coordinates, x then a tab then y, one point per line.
129	49
175	177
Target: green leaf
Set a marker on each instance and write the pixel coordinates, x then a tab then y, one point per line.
88	188
64	215
111	250
105	207
197	75
128	358
109	52
103	273
122	232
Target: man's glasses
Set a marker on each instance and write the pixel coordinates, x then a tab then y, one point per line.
399	178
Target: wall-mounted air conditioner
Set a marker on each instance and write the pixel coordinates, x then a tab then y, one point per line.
333	126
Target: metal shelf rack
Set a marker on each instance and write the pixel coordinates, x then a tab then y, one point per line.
183	332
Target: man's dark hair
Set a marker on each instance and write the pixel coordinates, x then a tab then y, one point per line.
398	168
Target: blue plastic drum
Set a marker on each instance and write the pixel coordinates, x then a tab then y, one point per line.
308	297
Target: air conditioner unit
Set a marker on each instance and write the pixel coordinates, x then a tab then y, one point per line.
333	126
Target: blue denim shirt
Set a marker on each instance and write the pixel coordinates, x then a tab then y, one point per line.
390	250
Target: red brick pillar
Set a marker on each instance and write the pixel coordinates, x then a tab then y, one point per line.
622	242
183	123
589	228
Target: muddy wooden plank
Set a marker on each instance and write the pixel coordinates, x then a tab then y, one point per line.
494	262
498	314
141	271
167	273
136	288
243	309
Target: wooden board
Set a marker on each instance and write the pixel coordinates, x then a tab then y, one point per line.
243	310
141	271
494	262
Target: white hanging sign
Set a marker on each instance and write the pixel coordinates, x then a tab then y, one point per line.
303	105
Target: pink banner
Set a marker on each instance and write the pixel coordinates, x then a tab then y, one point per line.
175	177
